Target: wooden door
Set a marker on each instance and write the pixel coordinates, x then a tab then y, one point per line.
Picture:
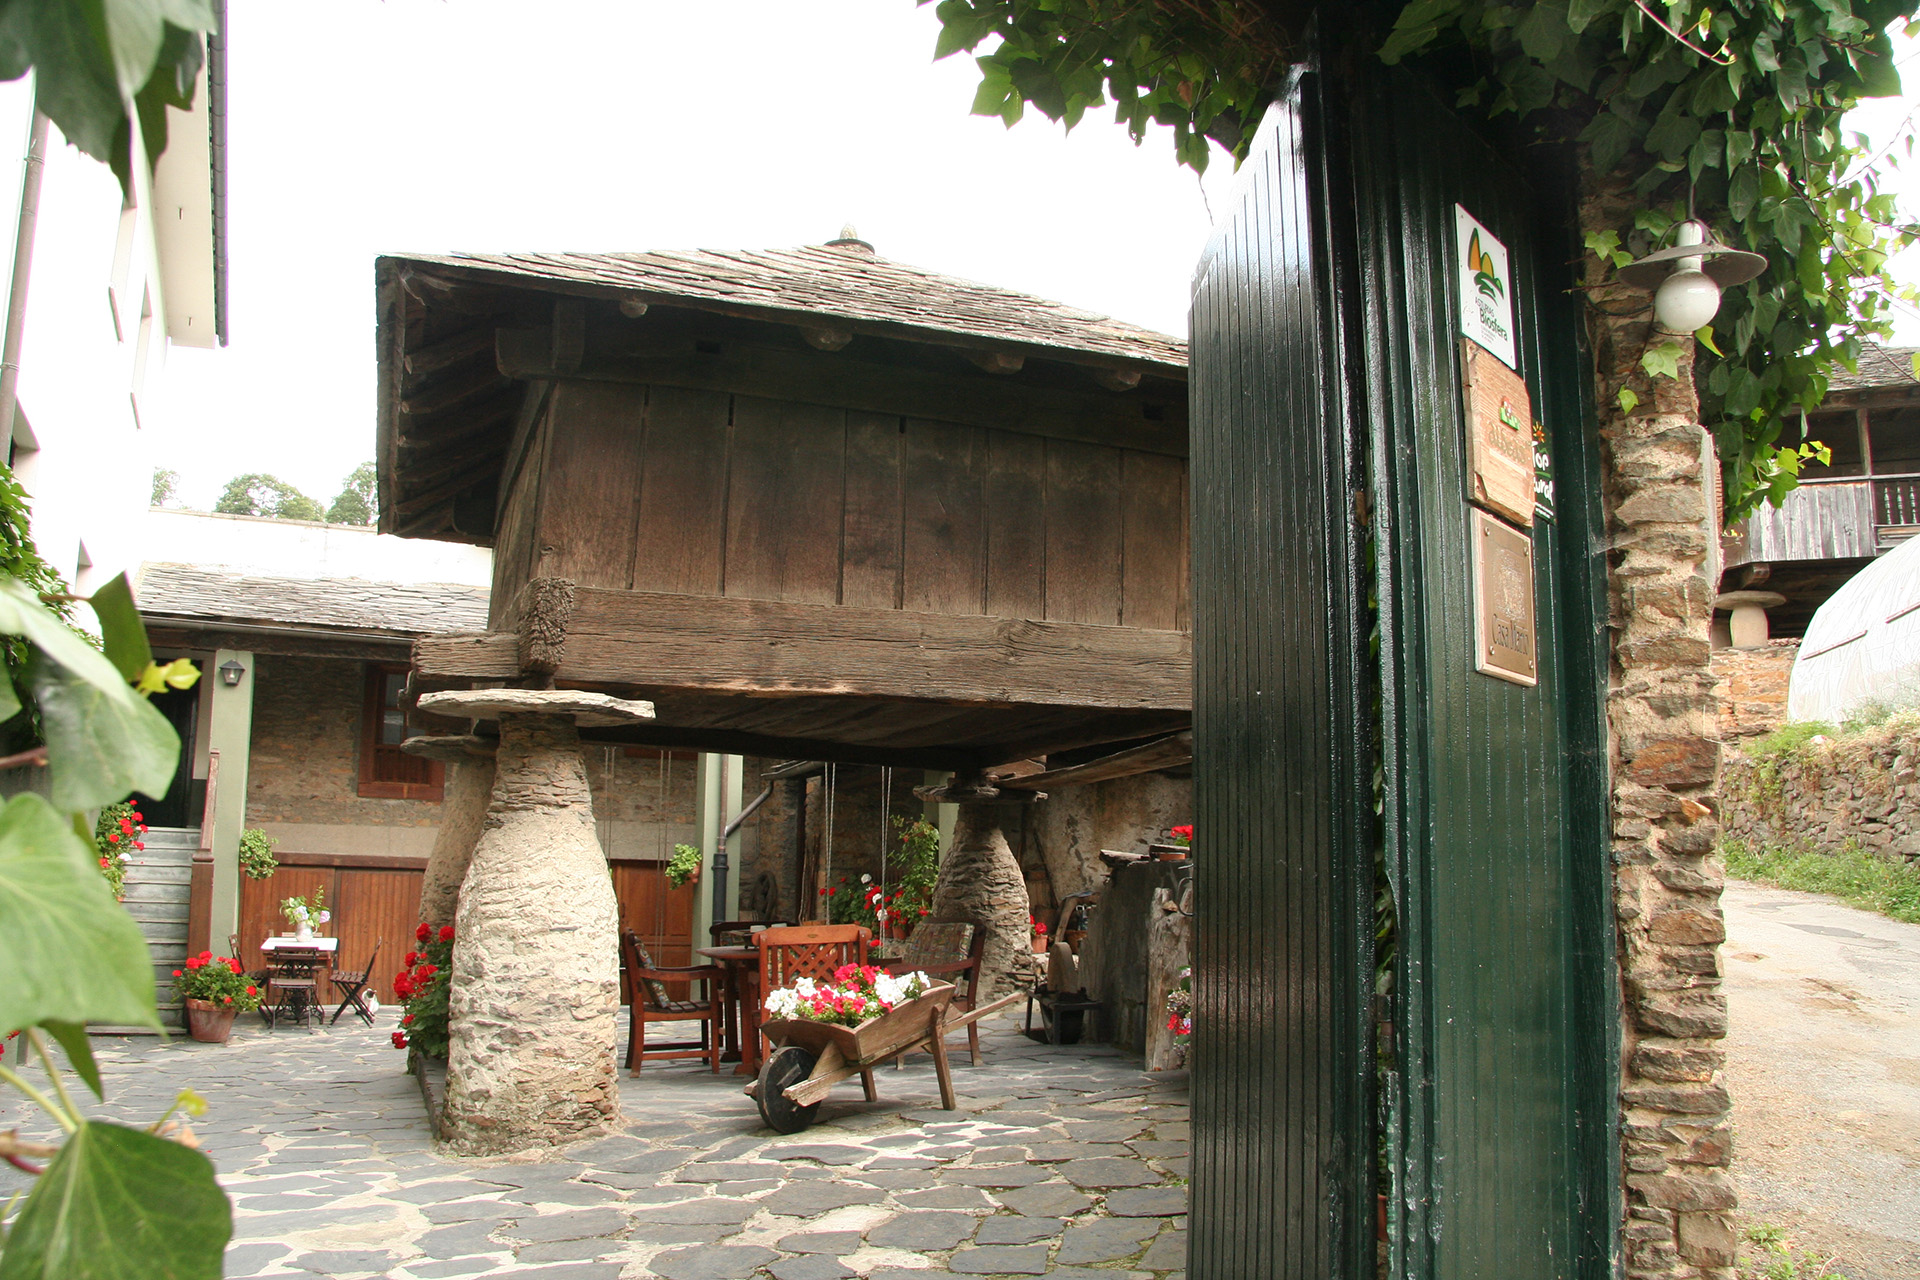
663	917
372	900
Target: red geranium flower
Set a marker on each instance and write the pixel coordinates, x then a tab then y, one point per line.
253	991
177	973
446	933
399	1039
424	932
407	1021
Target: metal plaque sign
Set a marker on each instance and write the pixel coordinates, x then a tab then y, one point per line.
1504	642
1486	287
1501	468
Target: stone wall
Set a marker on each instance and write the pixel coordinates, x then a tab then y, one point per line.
1662	716
1752	687
1861	789
1067	831
303	773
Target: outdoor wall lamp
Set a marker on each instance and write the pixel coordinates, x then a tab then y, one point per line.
1687	279
231	671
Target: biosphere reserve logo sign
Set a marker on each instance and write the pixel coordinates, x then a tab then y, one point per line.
1486	287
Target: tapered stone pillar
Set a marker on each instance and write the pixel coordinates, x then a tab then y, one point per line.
463	810
535	997
980	879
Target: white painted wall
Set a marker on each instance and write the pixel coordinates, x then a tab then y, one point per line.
95	342
306	549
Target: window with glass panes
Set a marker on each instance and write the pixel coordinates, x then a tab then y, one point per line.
387	772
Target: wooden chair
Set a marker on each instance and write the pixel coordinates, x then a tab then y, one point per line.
648	1002
293	988
353	987
949	950
792	952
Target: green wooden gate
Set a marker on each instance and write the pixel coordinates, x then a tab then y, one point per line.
1326	366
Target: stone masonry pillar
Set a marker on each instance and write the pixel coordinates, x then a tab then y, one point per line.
535	996
980	879
463	811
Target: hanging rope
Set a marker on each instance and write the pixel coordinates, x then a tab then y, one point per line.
826	849
886	819
661	853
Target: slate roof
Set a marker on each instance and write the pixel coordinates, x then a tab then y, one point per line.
356	605
819	282
1880	367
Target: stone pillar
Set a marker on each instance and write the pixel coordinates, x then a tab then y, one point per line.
1665	763
535	997
1747	616
980	879
463	810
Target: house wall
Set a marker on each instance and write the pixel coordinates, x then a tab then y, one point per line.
1072	826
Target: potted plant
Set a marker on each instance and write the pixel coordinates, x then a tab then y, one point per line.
214	989
256	854
117	837
1176	847
684	868
423	987
304	913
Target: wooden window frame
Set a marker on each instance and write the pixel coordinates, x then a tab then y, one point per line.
372	705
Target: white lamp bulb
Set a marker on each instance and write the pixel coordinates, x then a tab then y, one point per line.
1687	299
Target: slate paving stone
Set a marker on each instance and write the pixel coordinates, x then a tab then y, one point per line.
464	1237
326	1262
669	1194
1007	1228
569	1271
718	1262
1178	1132
999	1155
813	1267
682	1233
946	1198
753	1187
900	1180
825	1153
245	1259
1105	1130
834	1242
708	1209
1025	1260
463	1211
451	1267
898	1140
566	1250
567	1225
1052	1199
564	1193
923	1231
1054	1152
805	1199
1105	1239
1109	1171
1178	1167
880	1164
1170	1250
726	1171
436	1192
1154	1147
1006	1175
1147	1202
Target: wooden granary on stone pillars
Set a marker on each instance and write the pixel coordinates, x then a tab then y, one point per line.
807	504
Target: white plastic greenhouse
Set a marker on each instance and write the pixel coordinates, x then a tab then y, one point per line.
1863	645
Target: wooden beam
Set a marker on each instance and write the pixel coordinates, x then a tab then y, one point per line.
484	470
763	647
1165	754
165	634
434	357
491	655
731	742
451	393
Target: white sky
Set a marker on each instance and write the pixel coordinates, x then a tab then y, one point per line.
358	127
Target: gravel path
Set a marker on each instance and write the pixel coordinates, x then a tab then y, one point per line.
1824	1068
1063	1162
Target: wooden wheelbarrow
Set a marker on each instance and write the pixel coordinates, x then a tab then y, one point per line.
809	1058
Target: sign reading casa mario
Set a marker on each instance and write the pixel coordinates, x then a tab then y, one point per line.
1486	287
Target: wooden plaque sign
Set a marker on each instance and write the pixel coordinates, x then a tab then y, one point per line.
1504	644
1500	465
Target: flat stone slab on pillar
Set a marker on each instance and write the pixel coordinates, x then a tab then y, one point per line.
587	710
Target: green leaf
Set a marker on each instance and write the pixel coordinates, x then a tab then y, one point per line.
1704	336
74	1039
1628	400
70	953
1662	361
102	744
1544	30
118	1203
123	634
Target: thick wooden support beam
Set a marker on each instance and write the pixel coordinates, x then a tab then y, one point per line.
765	647
1164	754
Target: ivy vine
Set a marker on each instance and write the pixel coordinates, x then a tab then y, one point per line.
1729	108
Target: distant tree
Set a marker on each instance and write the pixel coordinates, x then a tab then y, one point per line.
166	483
354	505
257	494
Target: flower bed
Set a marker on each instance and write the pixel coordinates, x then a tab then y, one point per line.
857	993
424	985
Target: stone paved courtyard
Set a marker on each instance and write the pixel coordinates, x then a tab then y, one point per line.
1062	1162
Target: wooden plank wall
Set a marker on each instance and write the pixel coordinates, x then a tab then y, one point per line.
379	898
705	493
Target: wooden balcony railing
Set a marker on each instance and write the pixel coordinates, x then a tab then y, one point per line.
1896	500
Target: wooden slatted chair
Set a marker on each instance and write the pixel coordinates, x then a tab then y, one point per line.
293	985
648	1002
353	986
815	951
949	951
739	933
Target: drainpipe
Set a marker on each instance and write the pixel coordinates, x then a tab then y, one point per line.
22	268
720	855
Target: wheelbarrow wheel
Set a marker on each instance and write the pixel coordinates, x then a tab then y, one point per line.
785	1067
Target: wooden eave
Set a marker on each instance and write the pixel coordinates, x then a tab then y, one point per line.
450	403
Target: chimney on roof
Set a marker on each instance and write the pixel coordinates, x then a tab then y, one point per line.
849	241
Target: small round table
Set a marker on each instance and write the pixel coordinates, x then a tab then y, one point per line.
743	1002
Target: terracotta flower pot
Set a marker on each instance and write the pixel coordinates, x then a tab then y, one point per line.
209	1022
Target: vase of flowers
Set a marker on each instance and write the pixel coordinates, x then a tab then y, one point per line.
214	990
305	913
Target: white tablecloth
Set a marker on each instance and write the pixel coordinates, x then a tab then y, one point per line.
324	944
